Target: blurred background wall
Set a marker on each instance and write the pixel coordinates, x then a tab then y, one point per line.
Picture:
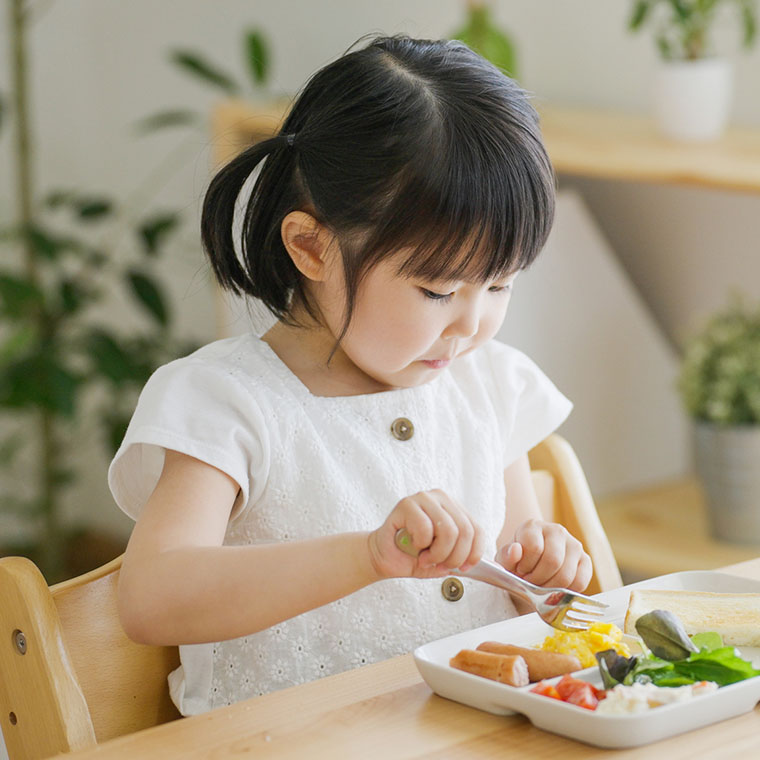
98	66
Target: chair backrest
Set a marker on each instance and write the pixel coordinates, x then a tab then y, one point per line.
565	497
69	676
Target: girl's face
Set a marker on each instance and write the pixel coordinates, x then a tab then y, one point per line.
405	331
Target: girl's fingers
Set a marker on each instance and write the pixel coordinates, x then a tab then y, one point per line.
530	536
583	574
569	569
511	555
477	548
552	557
548	556
448	528
452	539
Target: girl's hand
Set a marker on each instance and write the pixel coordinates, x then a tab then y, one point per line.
443	532
546	554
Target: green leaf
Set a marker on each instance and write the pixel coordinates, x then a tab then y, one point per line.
19	297
149	294
154	231
45	244
40	380
58	198
707	641
199	67
749	22
73	295
164	119
723	666
485	38
257	56
109	358
639	14
17	343
93	208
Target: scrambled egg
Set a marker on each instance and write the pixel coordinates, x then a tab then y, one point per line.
583	644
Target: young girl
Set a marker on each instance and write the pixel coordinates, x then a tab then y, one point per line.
268	476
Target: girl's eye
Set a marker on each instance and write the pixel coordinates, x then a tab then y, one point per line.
433	296
500	288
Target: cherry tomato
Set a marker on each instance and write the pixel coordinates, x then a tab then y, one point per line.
546	689
583	696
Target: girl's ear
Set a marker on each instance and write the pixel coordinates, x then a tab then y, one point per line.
307	243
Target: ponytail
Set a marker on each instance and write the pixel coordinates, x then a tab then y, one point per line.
261	267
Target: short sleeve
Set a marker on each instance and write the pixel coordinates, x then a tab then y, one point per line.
200	410
531	406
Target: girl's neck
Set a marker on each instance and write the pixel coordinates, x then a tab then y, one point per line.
305	351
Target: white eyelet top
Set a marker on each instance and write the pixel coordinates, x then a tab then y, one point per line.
311	466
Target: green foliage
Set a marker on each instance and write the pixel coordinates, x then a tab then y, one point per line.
257	56
482	35
195	64
58	273
682	29
720	374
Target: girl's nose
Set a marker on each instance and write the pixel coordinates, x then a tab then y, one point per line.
464	326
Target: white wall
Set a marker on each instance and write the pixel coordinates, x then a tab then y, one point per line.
99	65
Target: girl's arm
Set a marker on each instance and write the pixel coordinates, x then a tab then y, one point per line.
541	552
179	585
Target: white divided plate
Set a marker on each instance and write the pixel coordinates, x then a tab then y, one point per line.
576	722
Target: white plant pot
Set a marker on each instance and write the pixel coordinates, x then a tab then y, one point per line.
693	98
728	464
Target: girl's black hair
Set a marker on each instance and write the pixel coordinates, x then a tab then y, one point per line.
409	145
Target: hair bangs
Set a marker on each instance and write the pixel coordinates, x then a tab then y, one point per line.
470	215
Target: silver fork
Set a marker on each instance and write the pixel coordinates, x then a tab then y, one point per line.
553	605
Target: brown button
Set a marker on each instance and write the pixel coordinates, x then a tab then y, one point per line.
402	429
452	589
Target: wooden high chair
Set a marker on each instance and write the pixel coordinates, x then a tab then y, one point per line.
565	497
70	678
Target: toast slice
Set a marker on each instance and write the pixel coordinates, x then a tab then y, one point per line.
735	616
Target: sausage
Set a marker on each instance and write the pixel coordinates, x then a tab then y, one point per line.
509	669
540	664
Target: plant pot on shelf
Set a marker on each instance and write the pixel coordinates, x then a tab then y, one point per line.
693	98
728	465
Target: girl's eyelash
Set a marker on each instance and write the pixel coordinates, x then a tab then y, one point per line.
443	297
433	296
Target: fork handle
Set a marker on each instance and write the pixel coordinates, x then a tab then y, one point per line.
496	575
485	570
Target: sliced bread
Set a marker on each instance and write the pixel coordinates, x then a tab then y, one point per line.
735	616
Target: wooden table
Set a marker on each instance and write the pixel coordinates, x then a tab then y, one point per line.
386	711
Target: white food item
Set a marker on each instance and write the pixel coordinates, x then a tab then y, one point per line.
639	697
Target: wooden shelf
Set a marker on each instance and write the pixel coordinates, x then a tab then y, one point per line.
621	146
664	529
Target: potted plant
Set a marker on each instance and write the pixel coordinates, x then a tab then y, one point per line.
693	91
63	363
720	386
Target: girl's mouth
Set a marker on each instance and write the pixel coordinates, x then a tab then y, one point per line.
436	363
